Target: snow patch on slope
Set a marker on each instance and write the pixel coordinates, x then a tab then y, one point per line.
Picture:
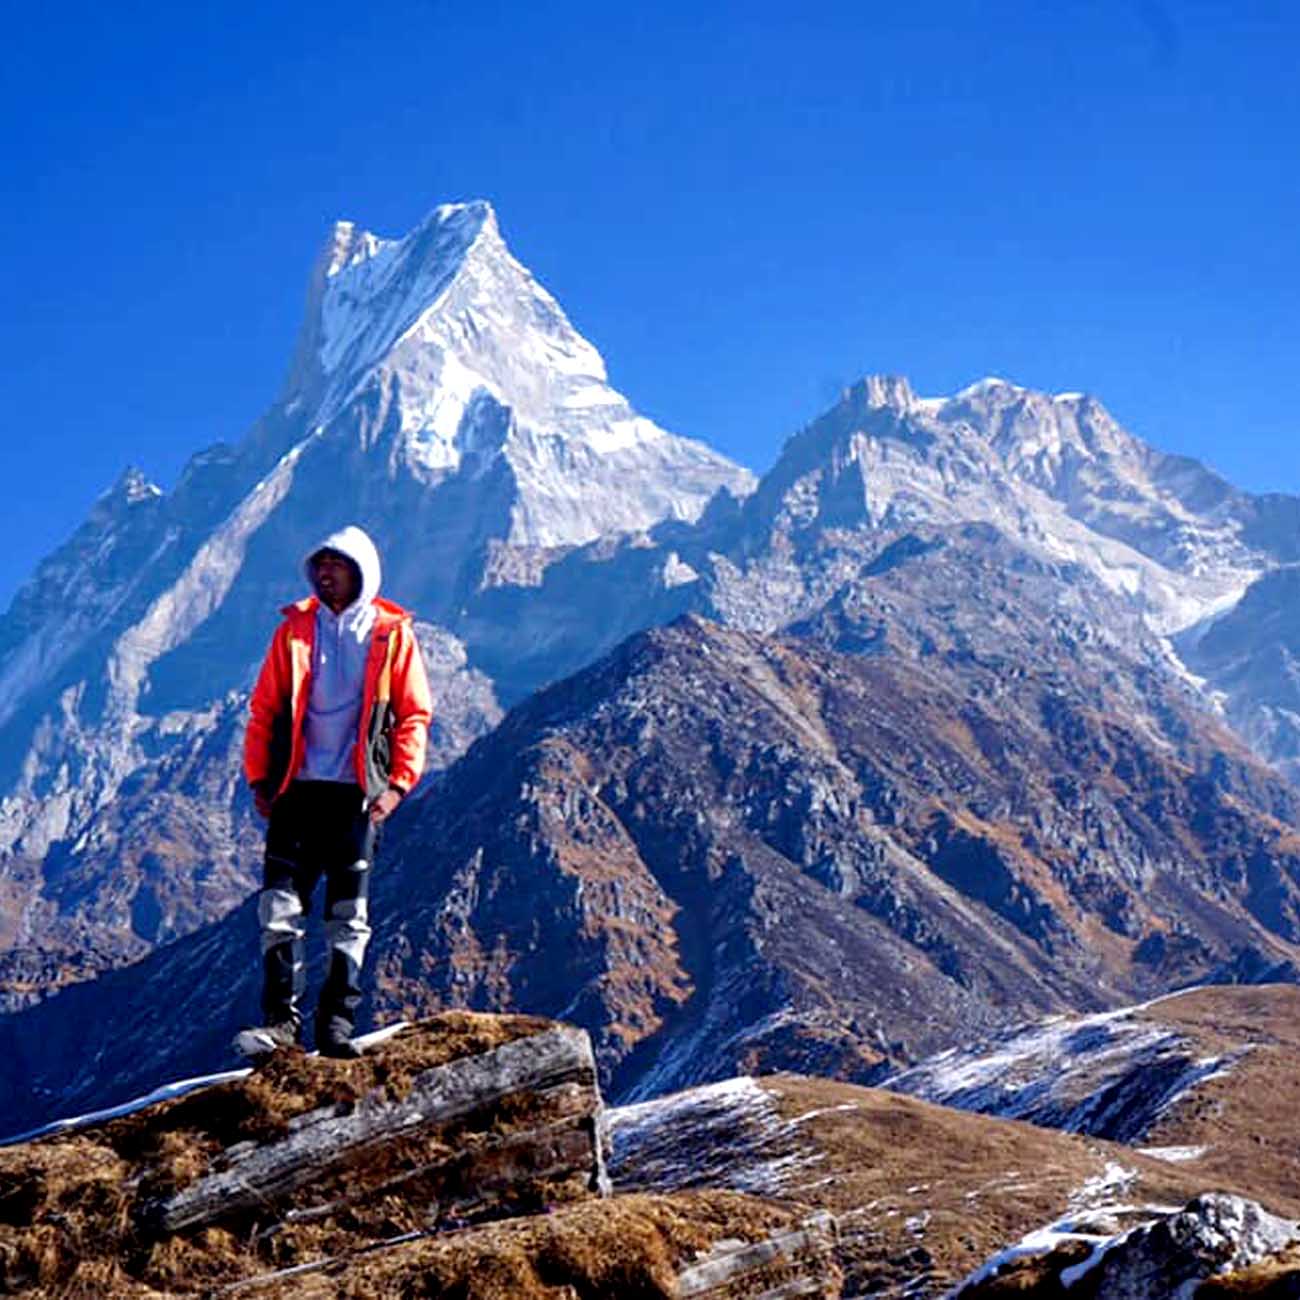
1109	1075
729	1134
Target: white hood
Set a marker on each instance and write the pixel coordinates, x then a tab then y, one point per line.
355	543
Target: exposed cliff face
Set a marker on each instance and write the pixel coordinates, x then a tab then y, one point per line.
1251	656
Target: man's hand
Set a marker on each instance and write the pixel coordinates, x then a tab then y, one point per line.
262	802
384	805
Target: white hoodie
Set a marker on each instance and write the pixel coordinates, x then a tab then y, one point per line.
338	665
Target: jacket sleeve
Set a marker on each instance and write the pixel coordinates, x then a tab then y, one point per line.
270	698
412	711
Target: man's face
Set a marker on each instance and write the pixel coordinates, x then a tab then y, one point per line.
335	578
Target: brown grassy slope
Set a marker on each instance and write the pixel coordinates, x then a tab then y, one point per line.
922	1194
629	1248
1247	1119
924	1190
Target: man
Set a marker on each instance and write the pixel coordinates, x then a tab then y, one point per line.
337	728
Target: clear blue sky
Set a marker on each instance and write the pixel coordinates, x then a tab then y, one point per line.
744	206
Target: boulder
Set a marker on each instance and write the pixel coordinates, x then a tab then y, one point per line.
1217	1244
1212	1234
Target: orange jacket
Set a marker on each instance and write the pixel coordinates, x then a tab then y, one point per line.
395	704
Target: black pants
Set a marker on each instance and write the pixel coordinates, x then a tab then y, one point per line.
317	828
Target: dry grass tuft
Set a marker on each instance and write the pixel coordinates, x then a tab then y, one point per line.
1277	1278
631	1247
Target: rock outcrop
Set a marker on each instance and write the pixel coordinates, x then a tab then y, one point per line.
464	1155
456	1119
1214	1236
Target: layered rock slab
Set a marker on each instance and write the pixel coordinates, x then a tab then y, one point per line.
458	1118
708	1245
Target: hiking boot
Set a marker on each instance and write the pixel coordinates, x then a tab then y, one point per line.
334	1038
259	1043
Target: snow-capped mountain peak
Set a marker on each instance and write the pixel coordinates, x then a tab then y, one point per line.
465	362
349	246
365	292
1057	471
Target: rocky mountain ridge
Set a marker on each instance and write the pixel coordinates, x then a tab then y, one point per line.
1057	472
1175	545
717	850
1203	564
